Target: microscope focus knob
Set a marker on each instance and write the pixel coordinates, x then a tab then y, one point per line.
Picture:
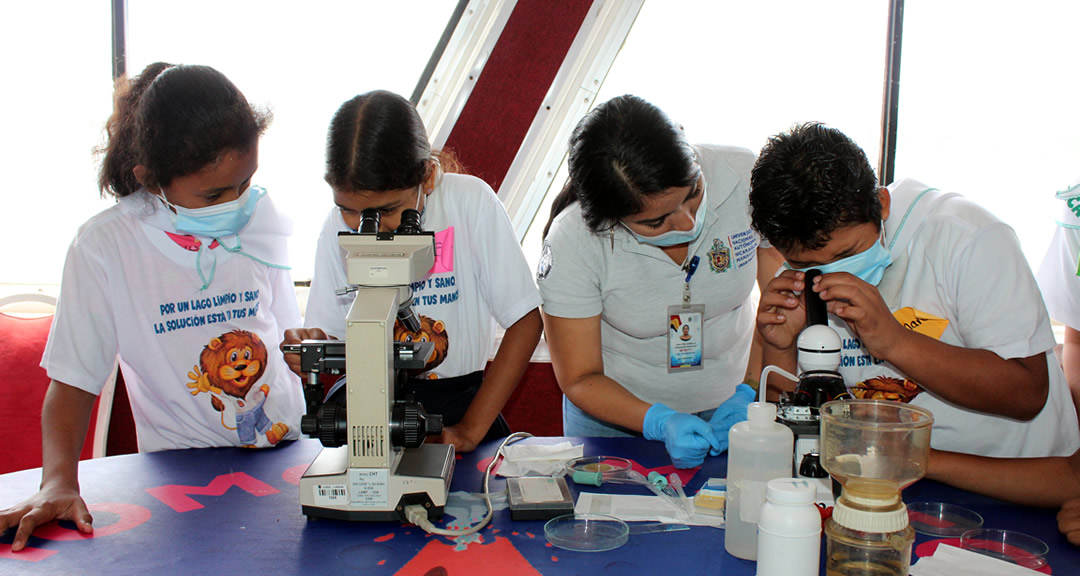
333	425
410	424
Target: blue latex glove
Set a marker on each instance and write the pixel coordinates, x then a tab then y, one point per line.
730	413
686	437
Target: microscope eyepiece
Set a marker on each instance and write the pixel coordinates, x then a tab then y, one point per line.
410	222
369	221
816	311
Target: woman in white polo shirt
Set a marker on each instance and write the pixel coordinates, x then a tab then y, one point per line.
651	235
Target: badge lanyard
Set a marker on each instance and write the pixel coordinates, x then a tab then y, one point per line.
685	332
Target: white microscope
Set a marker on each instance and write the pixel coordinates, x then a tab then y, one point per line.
375	462
818	382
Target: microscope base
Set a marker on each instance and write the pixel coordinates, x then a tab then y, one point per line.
330	489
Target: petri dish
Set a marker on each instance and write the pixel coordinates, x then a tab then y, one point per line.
942	519
1009	545
586	532
606	465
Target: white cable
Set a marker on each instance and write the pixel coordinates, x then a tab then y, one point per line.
416	514
765	378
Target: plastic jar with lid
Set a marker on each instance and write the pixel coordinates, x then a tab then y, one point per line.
868	542
789	530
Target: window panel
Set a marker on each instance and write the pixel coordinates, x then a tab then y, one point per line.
57	95
988	107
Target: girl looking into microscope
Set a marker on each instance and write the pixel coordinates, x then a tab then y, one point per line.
183	280
378	156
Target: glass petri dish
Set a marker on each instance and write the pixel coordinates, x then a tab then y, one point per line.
606	465
942	519
1008	545
586	532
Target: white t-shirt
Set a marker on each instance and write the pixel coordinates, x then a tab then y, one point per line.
480	277
963	271
1058	273
130	290
630	285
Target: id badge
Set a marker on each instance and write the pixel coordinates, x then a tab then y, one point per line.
685	335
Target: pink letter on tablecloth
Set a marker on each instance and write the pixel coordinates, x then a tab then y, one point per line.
28	554
497	559
176	495
131	515
444	251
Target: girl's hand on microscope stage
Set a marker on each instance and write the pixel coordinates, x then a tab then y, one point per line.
296	336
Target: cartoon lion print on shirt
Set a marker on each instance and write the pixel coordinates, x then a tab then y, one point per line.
886	388
433	331
229	367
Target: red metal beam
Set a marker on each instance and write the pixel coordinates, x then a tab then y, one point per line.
513	84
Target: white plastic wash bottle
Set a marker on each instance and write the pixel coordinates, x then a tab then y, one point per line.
759	450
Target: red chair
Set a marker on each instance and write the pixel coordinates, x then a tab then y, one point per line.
25	383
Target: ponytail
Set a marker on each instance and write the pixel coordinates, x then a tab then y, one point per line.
116	177
567	196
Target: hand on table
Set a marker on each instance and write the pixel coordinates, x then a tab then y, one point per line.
1069	521
455	435
47	505
687	438
296	336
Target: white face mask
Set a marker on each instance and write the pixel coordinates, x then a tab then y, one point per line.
676	237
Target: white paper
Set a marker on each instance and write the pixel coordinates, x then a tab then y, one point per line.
540	490
952	561
635	508
538	459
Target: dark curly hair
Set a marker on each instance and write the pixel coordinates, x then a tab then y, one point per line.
808	182
622	151
174	120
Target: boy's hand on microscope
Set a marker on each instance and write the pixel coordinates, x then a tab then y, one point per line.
781	313
296	336
861	306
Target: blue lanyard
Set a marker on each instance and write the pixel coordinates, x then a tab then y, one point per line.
690	268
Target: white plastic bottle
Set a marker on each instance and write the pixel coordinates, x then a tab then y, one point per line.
789	530
759	450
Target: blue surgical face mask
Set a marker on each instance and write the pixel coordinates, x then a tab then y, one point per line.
676	237
219	220
868	265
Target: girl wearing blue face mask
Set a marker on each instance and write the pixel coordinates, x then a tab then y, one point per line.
646	273
183	281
